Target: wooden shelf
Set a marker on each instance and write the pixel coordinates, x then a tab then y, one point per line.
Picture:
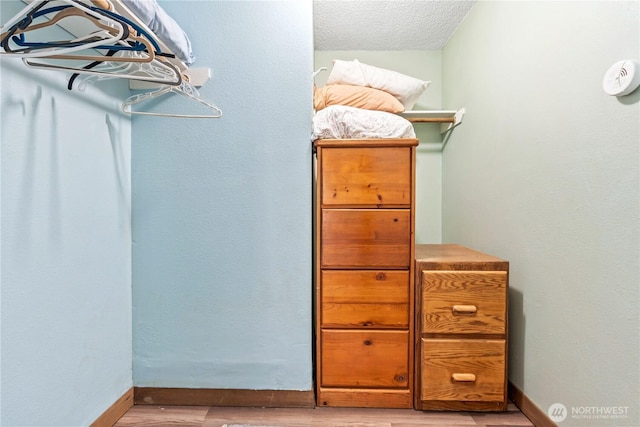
447	118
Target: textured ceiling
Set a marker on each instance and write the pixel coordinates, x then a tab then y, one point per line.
386	24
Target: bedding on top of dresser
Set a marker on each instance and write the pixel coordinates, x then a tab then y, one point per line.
362	101
343	122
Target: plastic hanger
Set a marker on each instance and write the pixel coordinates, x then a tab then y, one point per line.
159	71
138	28
141	42
156	71
184	89
134	43
130	56
318	71
63	12
112	31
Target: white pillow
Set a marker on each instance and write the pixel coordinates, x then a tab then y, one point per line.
164	26
407	89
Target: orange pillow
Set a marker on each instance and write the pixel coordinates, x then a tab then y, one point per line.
356	96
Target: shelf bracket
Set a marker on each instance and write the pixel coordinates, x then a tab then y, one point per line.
457	119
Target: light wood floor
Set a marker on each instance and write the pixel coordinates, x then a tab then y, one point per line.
207	416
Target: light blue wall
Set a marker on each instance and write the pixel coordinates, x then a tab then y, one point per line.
222	209
66	247
544	172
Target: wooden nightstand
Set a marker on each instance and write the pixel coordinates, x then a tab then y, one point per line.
461	329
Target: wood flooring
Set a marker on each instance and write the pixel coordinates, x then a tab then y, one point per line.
209	416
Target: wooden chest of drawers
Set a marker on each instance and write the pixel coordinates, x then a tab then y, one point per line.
364	295
461	324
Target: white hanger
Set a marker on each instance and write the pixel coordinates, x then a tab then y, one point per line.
155	71
318	71
185	89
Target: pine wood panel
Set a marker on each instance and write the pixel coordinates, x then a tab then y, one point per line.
364	210
366	176
464	302
364	398
456	257
353	315
366	142
365	298
461	405
444	359
366	238
353	358
365	286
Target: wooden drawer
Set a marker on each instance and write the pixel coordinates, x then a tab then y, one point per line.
463	370
464	302
366	176
365	358
365	298
366	238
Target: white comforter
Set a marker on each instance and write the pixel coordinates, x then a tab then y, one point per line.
342	122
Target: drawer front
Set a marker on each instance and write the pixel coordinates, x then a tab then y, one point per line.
365	358
369	238
463	370
366	299
464	302
366	176
356	315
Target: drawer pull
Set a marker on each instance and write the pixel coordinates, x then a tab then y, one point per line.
466	378
464	309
